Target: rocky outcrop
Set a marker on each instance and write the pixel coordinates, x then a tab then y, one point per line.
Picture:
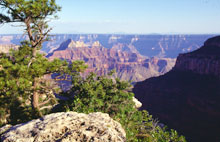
67	127
187	98
137	103
128	65
4	129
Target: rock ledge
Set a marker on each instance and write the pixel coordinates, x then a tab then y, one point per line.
67	127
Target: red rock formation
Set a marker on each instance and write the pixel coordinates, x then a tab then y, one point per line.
129	66
209	65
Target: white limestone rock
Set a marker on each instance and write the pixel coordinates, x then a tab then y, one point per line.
137	103
68	127
4	128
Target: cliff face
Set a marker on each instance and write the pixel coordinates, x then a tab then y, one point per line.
128	65
208	65
187	98
205	60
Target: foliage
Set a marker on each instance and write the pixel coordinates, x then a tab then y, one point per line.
16	81
162	135
22	72
112	96
20	10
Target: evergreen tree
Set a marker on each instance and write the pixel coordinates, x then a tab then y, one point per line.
16	82
22	72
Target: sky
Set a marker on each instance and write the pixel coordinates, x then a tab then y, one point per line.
134	17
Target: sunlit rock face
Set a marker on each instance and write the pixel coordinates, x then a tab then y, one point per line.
129	66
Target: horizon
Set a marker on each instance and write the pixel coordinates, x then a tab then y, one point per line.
134	17
154	34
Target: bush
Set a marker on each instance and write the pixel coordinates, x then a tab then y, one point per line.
112	96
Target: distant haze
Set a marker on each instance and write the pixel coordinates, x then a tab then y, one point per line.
134	17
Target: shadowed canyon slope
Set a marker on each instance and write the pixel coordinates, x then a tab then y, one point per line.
187	98
128	65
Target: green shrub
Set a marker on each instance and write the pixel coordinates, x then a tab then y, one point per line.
112	96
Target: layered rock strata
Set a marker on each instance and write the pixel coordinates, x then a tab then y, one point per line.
204	61
128	66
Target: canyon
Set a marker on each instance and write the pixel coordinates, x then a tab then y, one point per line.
187	97
168	46
129	66
182	91
134	57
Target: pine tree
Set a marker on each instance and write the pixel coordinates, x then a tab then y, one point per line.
22	72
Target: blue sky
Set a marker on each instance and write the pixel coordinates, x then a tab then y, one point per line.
135	17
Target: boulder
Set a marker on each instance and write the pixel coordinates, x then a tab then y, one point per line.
137	103
67	127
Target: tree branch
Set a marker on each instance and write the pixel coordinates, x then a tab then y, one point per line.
5	4
46	107
42	36
62	80
57	78
29	31
45	102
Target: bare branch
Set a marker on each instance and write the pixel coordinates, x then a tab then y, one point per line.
45	102
62	80
29	30
40	40
46	107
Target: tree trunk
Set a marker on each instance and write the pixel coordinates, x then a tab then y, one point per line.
35	96
35	99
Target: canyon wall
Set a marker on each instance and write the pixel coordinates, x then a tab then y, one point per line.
129	66
205	60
